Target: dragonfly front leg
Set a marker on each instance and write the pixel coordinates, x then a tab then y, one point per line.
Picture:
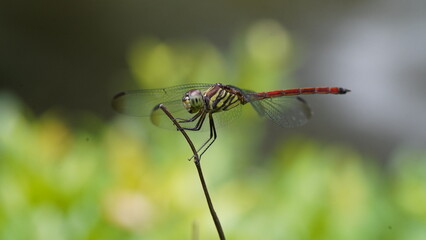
182	120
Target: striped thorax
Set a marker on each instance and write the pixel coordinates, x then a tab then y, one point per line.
217	98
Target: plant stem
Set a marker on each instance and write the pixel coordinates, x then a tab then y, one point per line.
200	172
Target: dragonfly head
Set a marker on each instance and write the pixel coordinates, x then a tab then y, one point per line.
193	100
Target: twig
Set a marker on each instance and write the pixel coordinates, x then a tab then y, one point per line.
200	172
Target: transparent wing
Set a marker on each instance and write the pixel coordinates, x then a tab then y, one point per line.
226	117
140	103
286	111
160	119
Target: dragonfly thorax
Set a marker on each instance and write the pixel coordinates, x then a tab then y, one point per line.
193	101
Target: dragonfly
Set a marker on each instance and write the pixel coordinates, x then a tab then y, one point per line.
191	104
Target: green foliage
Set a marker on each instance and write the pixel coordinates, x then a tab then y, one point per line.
125	179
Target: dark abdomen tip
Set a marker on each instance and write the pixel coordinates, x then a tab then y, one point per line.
343	90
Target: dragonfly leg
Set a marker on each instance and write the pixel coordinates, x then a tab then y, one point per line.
182	120
201	116
212	137
199	123
212	134
197	128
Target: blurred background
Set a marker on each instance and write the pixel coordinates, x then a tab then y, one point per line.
71	168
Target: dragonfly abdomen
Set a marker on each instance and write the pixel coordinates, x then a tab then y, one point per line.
302	91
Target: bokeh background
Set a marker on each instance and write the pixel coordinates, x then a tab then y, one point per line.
71	168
